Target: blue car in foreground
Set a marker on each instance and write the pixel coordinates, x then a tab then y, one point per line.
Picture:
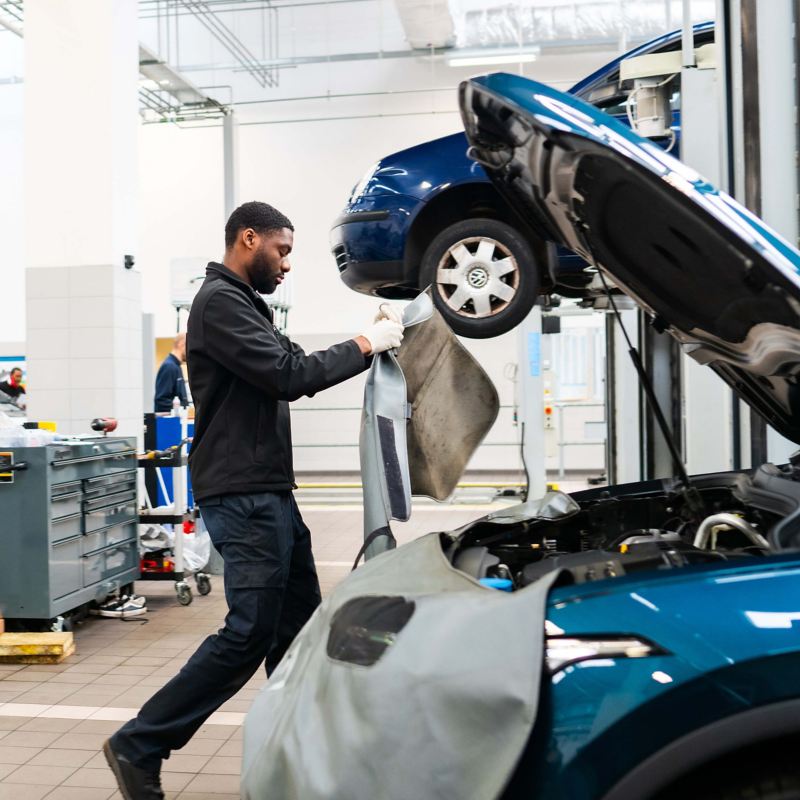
430	216
647	643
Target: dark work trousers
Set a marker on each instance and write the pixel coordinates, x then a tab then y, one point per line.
271	588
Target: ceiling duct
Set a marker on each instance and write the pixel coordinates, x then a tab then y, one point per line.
169	81
486	24
166	96
428	24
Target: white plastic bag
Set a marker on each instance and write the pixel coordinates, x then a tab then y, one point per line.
196	549
154	537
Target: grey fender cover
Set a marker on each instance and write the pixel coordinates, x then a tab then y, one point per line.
445	711
426	410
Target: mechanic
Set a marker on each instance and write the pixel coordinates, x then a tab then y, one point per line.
169	379
13	386
243	373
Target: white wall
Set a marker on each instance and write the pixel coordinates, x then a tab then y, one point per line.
12	239
306	168
332	418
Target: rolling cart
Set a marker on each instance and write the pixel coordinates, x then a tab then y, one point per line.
168	564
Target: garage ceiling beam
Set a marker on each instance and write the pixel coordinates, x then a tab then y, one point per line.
11	16
574	47
155	99
263	75
148	8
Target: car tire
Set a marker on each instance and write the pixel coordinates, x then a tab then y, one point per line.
753	779
772	787
483	277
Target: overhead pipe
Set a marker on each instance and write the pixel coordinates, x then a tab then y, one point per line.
10	26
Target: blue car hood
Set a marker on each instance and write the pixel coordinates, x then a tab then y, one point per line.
707	270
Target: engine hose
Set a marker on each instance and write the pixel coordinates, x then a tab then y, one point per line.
703	534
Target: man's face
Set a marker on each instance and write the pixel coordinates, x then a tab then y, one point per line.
16	377
270	259
182	349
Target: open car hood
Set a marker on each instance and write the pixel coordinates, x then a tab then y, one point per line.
707	270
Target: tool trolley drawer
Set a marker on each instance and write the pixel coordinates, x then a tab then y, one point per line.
105	485
89	459
66	505
66	527
107	511
110	562
61	493
98	540
65	567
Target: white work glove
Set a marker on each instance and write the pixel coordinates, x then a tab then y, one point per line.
384	335
388	311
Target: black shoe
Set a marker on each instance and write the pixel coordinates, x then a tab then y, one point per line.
134	783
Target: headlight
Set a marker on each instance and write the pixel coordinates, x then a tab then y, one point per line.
565	650
359	188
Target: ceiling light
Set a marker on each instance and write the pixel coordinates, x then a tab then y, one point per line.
483	58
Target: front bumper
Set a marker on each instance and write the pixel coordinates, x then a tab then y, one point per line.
368	244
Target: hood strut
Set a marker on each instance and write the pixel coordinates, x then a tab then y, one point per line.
689	492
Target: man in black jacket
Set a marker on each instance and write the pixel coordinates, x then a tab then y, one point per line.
243	373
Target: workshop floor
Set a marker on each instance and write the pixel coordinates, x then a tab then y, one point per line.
54	719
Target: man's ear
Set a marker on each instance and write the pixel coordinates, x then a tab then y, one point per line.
249	238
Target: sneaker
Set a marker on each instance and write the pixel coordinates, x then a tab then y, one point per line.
124	607
134	783
132	607
108	608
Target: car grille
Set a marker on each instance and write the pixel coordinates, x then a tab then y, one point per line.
340	255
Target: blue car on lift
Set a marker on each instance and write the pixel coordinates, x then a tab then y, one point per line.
430	216
648	645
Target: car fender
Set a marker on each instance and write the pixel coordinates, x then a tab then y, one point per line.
726	736
459	200
671	733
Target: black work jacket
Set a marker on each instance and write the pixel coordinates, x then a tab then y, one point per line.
243	372
169	385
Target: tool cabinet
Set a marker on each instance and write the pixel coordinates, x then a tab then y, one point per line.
68	532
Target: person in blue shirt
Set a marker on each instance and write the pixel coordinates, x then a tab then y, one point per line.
169	380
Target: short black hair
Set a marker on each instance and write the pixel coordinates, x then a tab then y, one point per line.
262	218
15	369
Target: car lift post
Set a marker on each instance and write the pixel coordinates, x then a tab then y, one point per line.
708	418
759	67
531	401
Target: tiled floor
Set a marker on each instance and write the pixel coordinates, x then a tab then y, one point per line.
54	719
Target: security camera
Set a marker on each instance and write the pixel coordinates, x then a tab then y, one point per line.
129	261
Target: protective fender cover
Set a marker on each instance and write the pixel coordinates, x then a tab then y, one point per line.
453	406
382	444
426	410
443	713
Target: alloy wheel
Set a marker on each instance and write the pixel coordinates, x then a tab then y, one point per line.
477	277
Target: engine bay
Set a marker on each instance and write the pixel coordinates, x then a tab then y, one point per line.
602	534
